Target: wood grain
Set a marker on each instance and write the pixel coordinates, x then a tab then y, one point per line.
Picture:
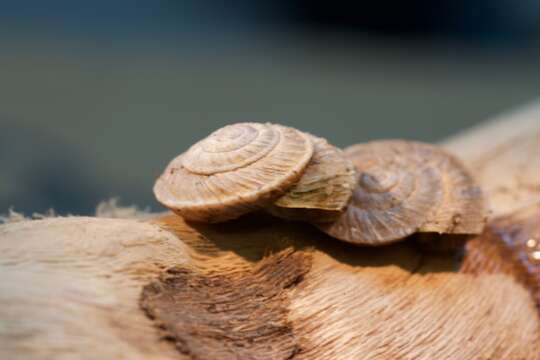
71	287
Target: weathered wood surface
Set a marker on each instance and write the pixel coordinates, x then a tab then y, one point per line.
70	287
504	154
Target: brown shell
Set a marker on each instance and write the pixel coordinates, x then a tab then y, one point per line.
324	190
237	169
405	187
462	210
509	245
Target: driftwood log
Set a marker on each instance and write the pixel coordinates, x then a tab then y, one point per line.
155	287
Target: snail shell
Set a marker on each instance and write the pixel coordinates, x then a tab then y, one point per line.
404	187
324	190
237	169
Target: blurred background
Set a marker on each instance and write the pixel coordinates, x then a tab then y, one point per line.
97	96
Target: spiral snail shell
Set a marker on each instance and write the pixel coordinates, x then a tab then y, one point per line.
324	189
405	187
237	169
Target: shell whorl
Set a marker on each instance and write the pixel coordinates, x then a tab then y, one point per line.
230	148
237	169
463	209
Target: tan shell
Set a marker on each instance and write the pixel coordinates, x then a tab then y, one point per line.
463	209
237	169
405	187
324	190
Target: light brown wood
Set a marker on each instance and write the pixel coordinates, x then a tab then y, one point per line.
504	156
70	287
509	245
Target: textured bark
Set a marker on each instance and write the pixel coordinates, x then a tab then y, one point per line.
510	245
261	288
241	314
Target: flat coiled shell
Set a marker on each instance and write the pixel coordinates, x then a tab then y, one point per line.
324	190
237	169
394	195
